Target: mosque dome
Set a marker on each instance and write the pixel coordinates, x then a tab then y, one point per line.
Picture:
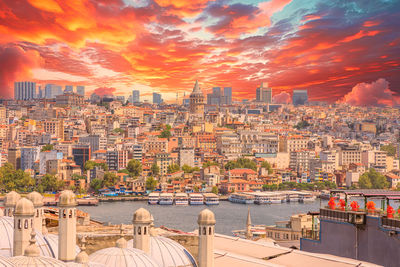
142	216
11	199
168	253
67	199
206	217
32	257
36	198
48	244
4	262
122	256
24	207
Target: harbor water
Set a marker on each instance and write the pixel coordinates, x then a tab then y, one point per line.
229	216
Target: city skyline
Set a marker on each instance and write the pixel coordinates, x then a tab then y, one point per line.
341	50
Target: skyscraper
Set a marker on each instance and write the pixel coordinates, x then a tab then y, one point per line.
264	94
135	96
52	90
300	97
157	99
227	97
80	90
215	97
24	90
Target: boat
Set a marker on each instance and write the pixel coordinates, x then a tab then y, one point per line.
196	199
307	197
261	198
211	199
166	199
276	199
293	197
153	198
181	199
241	198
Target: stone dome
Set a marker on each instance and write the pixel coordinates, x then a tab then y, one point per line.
142	216
206	217
48	244
67	199
11	199
24	207
122	257
168	253
5	262
36	198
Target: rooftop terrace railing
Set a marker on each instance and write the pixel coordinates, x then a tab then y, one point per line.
391	223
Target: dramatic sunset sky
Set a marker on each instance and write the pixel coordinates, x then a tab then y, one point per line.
338	50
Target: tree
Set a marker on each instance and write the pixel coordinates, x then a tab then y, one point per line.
155	170
214	190
301	125
165	134
51	183
96	184
11	179
209	163
118	131
173	168
151	183
90	164
373	179
123	171
390	149
196	189
266	165
134	167
47	147
109	179
241	163
187	169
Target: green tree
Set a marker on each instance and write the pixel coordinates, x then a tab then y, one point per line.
134	167
123	171
373	179
196	189
96	184
151	183
209	163
51	183
214	190
301	125
109	179
187	169
118	131
155	170
11	179
241	163
90	164
173	168
47	147
165	134
266	165
390	149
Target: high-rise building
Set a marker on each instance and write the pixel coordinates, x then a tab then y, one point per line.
215	97
157	99
80	90
264	94
227	97
300	97
135	96
28	157
52	90
81	154
24	90
39	94
69	89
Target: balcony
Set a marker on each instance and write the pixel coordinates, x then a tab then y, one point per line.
354	217
391	223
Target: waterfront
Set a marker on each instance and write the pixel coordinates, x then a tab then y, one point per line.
229	216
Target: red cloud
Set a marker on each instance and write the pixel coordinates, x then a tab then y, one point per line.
15	64
282	98
102	91
371	94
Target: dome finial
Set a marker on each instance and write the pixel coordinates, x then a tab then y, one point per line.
121	243
32	250
82	256
44	228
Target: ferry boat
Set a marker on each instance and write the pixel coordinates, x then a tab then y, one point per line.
293	197
276	199
307	197
153	198
211	199
196	199
166	199
241	198
181	199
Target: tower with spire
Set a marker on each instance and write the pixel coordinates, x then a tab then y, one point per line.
249	235
196	103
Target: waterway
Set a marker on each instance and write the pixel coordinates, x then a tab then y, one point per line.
229	216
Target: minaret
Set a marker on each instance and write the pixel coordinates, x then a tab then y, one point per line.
23	222
248	225
37	200
10	201
141	229
206	221
67	226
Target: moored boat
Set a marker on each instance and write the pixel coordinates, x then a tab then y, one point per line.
241	198
196	199
181	199
166	199
211	199
153	198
